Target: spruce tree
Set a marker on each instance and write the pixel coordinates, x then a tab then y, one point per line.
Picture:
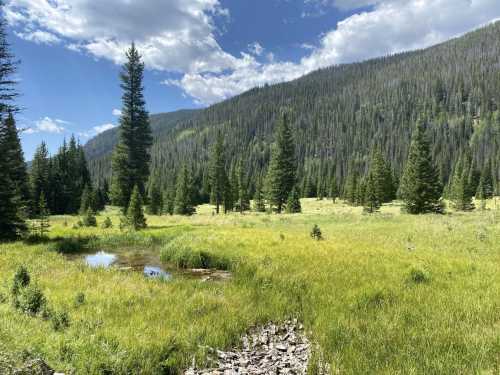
351	188
86	200
293	203
89	219
360	192
39	176
135	213
229	194
460	193
281	176
8	67
169	200
184	196
233	194
15	159
243	198
334	190
372	196
485	188
420	186
131	156
259	205
218	176
11	222
155	198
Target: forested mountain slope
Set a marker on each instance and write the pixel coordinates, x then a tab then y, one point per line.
98	150
341	113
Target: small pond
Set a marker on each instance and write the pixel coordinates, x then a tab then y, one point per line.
139	262
147	262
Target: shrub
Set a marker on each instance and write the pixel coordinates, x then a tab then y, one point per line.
21	280
70	245
30	300
418	276
89	219
316	233
79	299
107	223
60	320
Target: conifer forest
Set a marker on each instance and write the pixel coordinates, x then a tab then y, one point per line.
343	222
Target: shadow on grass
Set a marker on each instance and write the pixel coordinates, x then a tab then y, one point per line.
66	245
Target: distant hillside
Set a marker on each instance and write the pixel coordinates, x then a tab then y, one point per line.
341	113
103	144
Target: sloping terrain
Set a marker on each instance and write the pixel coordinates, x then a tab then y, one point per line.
341	113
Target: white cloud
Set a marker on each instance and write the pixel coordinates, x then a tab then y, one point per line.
179	36
173	35
47	125
256	49
39	37
102	128
117	112
392	26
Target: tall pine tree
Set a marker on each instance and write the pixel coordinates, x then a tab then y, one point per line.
15	159
131	156
243	198
39	176
293	203
372	195
420	186
218	176
155	197
183	204
461	196
12	171
281	175
259	204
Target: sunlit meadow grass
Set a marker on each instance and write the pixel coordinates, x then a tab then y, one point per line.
385	293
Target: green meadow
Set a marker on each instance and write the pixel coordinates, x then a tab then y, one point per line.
386	293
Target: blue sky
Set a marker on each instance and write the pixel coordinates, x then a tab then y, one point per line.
198	52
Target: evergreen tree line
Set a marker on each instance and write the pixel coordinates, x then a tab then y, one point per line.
64	181
14	188
340	114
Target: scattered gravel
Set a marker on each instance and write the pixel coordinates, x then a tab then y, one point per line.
272	349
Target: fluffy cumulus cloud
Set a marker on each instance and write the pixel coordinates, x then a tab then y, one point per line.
175	35
180	36
47	125
116	112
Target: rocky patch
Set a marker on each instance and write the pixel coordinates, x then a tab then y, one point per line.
272	349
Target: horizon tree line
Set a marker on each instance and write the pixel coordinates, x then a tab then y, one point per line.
61	184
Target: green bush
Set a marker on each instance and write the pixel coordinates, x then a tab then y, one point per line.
71	245
418	276
107	223
316	233
89	219
21	280
30	300
79	299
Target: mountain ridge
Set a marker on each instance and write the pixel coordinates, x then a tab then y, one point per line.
340	113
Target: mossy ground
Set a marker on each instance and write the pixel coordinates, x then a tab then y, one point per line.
385	293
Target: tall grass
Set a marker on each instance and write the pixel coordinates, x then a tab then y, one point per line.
387	293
